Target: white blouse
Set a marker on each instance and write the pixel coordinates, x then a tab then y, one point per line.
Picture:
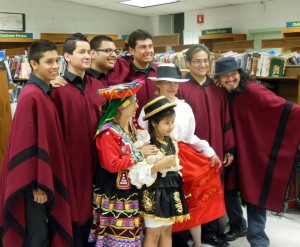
184	128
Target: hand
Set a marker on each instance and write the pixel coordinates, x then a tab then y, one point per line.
215	160
228	158
39	196
217	82
148	149
165	162
58	82
168	161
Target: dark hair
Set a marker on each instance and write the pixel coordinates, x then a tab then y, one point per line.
97	40
194	49
70	43
156	118
244	78
38	48
138	35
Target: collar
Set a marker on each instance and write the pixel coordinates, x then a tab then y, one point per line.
242	88
143	71
33	79
74	78
207	82
96	74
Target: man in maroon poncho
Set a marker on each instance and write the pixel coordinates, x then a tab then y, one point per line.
36	195
104	56
138	66
213	123
78	106
267	140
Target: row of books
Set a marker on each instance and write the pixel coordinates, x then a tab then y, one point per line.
18	67
265	63
179	58
255	63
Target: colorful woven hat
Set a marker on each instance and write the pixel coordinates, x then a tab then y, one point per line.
118	97
156	105
121	91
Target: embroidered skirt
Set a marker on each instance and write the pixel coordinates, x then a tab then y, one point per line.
203	185
164	200
116	218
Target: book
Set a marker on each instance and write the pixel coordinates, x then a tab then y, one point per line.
277	66
265	67
255	58
4	59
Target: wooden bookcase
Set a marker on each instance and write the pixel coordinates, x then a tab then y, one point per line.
237	46
9	43
5	112
288	86
59	38
293	32
164	42
210	39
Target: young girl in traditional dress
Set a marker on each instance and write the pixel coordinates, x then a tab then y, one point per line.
116	219
200	173
162	203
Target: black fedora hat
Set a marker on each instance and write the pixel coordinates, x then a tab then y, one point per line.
156	105
168	72
226	65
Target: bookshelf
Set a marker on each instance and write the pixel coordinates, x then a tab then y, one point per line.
237	46
287	44
210	39
59	38
293	32
163	43
9	43
5	112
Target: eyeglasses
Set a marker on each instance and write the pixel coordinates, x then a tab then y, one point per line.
199	61
109	51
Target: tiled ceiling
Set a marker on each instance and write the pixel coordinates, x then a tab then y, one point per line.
178	7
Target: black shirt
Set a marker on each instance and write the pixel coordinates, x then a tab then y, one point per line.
33	79
76	80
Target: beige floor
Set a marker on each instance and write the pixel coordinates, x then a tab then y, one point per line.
282	231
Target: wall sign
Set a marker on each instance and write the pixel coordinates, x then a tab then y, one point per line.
12	22
16	35
200	18
217	31
293	24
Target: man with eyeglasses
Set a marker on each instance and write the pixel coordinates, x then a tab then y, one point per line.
138	66
267	140
78	107
210	107
104	56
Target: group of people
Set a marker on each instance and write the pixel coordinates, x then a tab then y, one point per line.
86	166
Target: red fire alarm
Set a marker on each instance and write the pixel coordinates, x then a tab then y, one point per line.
200	18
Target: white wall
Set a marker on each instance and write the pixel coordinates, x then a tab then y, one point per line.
271	14
57	16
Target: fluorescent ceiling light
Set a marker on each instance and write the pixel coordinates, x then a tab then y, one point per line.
147	3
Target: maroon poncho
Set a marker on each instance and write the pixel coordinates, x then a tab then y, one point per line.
125	72
79	112
35	157
267	138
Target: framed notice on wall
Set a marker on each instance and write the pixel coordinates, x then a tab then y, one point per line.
12	22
